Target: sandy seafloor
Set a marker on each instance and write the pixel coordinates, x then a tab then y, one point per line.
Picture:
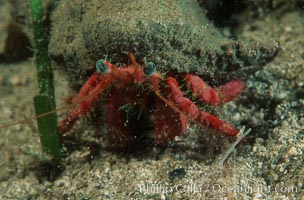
269	168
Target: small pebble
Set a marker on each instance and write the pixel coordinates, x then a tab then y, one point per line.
292	151
288	29
177	173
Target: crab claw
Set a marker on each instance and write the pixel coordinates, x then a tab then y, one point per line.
118	132
168	123
210	95
230	90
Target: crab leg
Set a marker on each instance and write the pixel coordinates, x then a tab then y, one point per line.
212	96
88	96
193	113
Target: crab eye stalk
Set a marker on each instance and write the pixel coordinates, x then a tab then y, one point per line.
149	69
101	66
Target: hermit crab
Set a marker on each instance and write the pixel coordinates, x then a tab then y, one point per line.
133	99
156	98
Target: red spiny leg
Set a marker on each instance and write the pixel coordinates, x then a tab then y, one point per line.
211	121
88	96
84	90
194	114
210	95
94	95
89	85
168	123
117	130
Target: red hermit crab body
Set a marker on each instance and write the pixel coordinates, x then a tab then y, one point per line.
155	98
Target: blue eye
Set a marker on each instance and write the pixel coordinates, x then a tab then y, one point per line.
101	67
149	69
